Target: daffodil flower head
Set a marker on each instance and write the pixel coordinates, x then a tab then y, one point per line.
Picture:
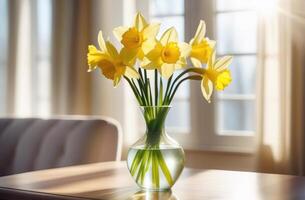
110	62
136	39
202	47
94	57
167	55
216	74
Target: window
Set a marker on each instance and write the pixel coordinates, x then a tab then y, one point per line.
171	13
3	55
228	123
33	46
236	32
42	67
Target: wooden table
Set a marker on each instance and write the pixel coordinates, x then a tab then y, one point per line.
111	180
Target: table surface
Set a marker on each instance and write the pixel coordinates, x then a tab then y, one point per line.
111	180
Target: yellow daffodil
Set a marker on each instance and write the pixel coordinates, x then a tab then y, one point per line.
136	39
217	74
167	54
111	63
201	47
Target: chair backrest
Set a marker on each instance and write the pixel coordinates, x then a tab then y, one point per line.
28	144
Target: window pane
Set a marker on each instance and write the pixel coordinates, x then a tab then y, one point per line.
44	26
3	55
166	7
43	66
179	115
243	70
167	22
236	115
225	5
236	32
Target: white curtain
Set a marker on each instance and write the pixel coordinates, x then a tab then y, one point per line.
46	70
46	60
282	88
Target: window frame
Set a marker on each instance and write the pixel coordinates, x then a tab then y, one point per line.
235	142
206	138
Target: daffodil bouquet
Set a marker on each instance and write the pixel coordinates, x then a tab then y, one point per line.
141	52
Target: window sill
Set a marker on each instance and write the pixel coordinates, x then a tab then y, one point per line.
221	149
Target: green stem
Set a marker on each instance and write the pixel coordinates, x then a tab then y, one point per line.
156	87
167	87
151	157
192	77
164	168
160	93
135	91
167	96
149	93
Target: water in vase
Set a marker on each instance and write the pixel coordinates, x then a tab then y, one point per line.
155	168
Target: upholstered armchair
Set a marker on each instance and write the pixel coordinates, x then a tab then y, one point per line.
28	144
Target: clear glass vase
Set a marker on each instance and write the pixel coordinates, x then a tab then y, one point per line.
155	161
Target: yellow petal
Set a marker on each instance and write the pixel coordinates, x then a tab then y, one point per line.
212	43
148	45
211	61
140	54
155	53
196	62
206	88
185	49
151	31
223	63
119	31
167	70
180	63
101	41
116	80
170	35
94	57
139	22
111	50
148	64
202	51
145	62
128	55
131	72
200	32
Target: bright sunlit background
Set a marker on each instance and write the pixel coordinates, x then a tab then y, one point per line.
43	71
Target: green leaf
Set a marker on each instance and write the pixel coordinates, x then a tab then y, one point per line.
164	168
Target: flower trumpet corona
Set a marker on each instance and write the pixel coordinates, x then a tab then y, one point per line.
167	55
138	38
201	47
216	74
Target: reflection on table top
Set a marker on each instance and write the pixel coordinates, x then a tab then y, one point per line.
111	180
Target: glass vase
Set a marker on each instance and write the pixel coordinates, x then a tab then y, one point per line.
155	161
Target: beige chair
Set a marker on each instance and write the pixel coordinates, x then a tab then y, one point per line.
28	144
